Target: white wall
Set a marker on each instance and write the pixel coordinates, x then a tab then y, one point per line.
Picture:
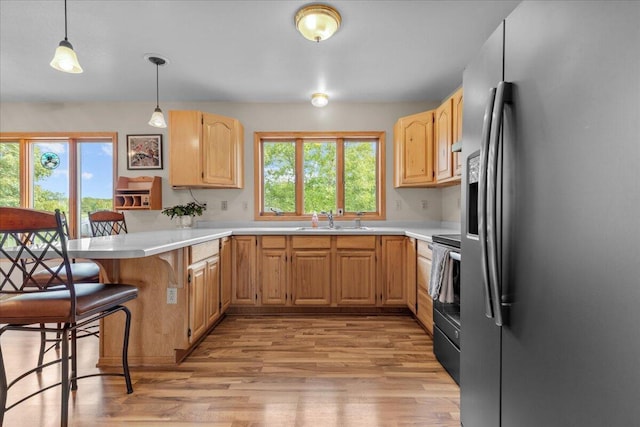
131	118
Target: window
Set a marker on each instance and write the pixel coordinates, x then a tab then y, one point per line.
299	173
71	172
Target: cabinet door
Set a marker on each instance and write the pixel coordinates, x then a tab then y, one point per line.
393	290
457	130
221	151
425	303
415	164
444	140
356	277
425	310
184	148
212	290
244	271
225	273
273	276
410	271
197	300
311	277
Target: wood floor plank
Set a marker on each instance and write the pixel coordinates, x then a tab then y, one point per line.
252	371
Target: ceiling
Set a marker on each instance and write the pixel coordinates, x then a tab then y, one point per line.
241	51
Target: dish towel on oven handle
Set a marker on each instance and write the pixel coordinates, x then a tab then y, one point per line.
441	280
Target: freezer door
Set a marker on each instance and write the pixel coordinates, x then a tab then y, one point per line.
571	347
480	337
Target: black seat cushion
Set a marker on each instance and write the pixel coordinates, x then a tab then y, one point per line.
81	271
55	306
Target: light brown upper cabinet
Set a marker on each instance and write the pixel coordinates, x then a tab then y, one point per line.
206	150
444	140
423	143
457	130
448	130
413	150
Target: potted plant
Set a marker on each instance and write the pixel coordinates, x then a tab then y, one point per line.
185	213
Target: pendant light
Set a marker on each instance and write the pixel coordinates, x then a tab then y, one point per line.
65	58
157	118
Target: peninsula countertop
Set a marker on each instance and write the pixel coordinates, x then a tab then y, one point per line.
149	243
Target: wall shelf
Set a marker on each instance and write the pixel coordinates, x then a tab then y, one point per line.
138	193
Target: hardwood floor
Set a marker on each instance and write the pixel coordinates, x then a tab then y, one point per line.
318	371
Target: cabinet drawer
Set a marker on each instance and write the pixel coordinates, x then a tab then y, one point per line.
311	242
203	250
356	242
423	249
274	242
423	272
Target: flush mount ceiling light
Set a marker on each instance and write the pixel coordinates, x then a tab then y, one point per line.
317	22
157	118
319	99
65	58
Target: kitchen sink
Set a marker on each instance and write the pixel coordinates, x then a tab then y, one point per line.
336	228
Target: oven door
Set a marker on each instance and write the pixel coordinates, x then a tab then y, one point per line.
446	324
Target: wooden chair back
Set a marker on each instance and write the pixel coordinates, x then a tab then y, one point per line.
107	223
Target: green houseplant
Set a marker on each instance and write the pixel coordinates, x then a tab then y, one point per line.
184	213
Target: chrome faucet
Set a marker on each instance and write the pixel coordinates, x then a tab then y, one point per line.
359	219
329	217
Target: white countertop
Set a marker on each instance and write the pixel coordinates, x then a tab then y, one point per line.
148	243
141	244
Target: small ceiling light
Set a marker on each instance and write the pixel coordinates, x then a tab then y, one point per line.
317	22
157	118
319	99
65	58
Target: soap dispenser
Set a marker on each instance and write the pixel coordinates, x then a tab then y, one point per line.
314	220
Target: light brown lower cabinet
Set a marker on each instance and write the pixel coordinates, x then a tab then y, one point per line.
410	269
273	270
311	270
425	303
393	273
203	280
225	273
243	280
356	270
425	310
322	270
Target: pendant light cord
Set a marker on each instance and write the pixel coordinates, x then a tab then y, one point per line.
65	20
157	85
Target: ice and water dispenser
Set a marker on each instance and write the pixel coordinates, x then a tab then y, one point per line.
473	179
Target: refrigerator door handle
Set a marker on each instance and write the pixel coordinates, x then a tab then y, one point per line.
482	202
494	212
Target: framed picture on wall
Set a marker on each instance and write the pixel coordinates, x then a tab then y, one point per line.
144	151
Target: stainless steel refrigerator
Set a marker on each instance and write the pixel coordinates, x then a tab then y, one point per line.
550	283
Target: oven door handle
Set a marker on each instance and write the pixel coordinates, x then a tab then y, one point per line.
482	202
456	256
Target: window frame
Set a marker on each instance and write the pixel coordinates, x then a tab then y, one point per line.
26	139
299	138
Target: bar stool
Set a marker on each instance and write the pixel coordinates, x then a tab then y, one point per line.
26	304
107	223
83	272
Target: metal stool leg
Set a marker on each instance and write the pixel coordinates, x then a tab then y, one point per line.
125	350
3	388
74	359
64	392
43	344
